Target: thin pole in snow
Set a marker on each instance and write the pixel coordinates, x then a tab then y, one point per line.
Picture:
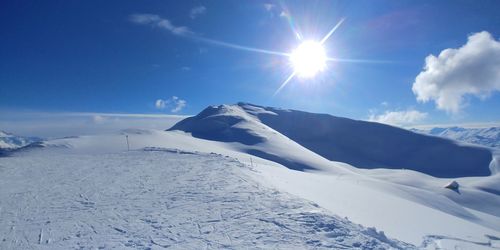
251	162
128	145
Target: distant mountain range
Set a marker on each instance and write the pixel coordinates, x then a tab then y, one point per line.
9	141
489	137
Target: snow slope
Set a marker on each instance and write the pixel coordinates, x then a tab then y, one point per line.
359	143
398	194
52	198
231	123
9	141
404	204
489	137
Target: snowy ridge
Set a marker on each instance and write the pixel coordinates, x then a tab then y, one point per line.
359	143
231	123
489	137
9	141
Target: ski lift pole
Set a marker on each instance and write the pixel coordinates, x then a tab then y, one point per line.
128	145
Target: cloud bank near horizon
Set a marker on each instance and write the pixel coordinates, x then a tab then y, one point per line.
399	118
55	125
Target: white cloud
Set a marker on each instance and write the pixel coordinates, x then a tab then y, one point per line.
160	104
179	104
473	69
174	103
196	11
401	118
157	21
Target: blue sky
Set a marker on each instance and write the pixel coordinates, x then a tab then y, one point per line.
93	56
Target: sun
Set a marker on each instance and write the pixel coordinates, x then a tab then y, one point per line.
308	59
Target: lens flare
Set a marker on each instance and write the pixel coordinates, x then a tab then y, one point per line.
308	59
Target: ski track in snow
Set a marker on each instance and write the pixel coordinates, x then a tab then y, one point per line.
158	199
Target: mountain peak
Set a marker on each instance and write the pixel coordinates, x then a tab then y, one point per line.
222	123
358	143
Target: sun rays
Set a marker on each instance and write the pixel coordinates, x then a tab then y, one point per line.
307	60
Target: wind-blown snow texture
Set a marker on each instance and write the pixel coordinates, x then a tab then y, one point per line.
358	143
489	137
157	198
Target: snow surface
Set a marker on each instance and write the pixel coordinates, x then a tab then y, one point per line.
159	198
407	205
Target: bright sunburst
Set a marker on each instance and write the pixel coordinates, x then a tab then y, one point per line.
308	59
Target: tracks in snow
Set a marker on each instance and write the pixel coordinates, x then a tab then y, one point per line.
158	199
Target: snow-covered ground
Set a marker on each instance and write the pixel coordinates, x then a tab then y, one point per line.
157	198
289	195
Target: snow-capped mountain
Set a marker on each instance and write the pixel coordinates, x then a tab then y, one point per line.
489	137
9	141
358	143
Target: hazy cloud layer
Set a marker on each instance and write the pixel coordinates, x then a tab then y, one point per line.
473	69
275	10
399	118
196	11
157	21
60	124
174	103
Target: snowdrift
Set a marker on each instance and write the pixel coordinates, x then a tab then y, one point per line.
359	143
